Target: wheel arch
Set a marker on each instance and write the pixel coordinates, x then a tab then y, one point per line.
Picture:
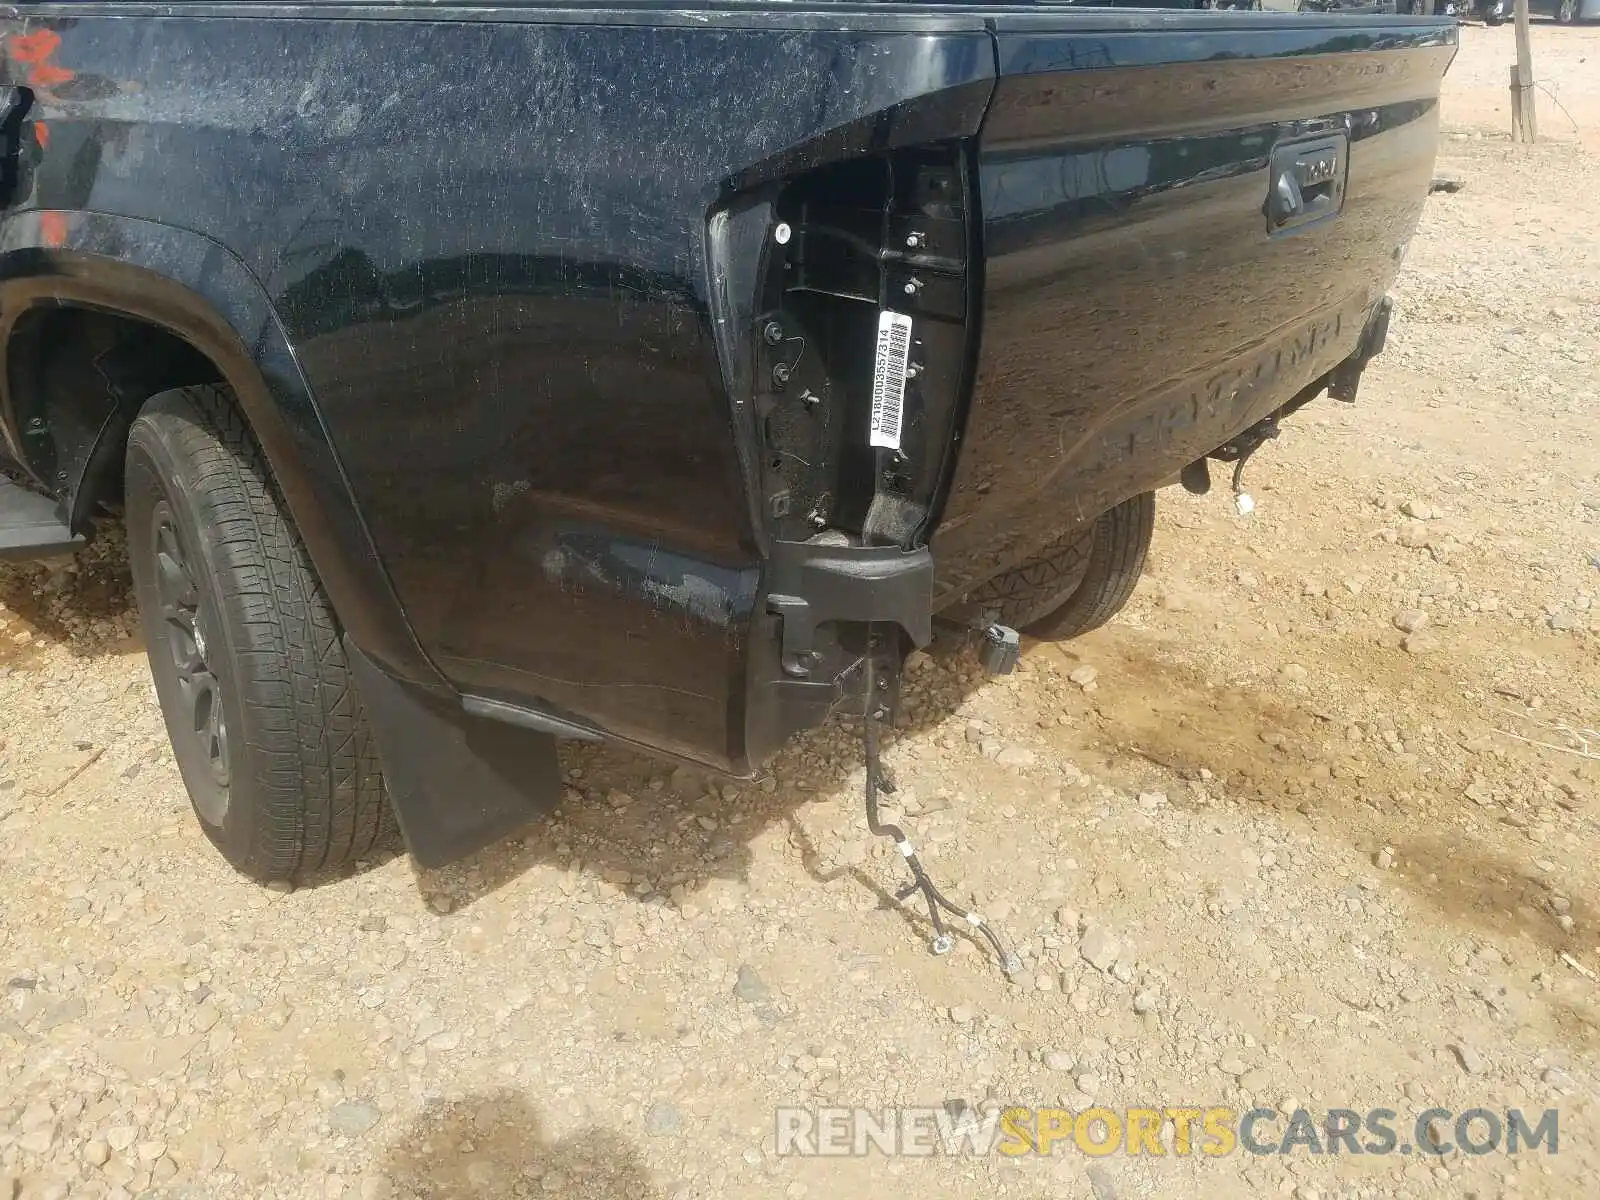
204	309
75	376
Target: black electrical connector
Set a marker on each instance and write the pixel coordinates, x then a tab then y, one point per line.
1000	650
1239	451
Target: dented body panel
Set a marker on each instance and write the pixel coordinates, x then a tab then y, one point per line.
494	285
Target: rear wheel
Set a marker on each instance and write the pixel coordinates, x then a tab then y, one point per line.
265	722
1567	13
1080	582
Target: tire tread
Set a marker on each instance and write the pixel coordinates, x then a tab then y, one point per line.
315	795
1107	560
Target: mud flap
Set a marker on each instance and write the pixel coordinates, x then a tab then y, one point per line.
457	782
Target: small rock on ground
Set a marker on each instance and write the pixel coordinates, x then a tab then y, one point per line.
1099	948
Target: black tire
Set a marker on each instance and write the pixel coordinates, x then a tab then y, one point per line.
1567	12
1080	582
264	717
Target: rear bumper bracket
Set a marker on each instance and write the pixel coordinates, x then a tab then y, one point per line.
1346	380
813	584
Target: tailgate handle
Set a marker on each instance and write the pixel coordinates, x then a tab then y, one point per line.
1307	182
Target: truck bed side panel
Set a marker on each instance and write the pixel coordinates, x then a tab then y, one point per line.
486	240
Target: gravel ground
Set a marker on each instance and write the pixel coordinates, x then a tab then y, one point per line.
1284	834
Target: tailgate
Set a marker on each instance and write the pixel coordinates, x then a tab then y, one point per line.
1142	299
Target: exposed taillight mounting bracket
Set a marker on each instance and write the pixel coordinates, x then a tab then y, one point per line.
886	232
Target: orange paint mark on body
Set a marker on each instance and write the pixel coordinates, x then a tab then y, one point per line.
36	47
42	132
53	228
48	74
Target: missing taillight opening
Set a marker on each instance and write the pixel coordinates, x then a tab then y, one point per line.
854	428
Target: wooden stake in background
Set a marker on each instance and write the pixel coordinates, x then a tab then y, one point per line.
1524	118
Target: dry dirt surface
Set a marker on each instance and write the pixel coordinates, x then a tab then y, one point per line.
1312	825
1566	70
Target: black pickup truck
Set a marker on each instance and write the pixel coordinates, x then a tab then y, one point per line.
470	377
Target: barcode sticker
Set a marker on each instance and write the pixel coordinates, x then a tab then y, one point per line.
889	379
